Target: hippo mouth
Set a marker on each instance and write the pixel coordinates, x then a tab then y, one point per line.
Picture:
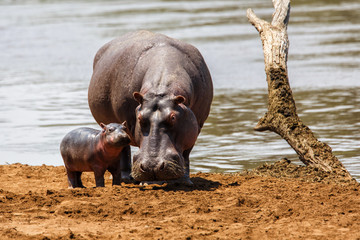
167	170
121	142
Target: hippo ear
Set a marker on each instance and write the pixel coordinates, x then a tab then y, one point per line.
138	97
103	126
124	124
179	99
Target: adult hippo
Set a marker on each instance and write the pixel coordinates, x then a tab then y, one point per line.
163	89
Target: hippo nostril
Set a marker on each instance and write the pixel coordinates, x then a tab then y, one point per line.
162	166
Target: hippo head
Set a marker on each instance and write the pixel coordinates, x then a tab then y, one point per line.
115	135
165	128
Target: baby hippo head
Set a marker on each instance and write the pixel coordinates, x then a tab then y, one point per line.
115	134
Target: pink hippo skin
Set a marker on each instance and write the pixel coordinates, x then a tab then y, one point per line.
91	150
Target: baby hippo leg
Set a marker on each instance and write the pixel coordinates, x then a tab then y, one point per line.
74	179
120	170
116	173
123	170
99	177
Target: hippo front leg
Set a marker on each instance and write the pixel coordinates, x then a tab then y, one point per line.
125	163
74	179
115	171
116	175
186	177
121	169
99	177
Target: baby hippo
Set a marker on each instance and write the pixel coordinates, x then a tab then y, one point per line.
91	150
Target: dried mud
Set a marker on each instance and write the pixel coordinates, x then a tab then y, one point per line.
278	201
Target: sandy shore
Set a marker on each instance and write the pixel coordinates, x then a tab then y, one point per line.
35	203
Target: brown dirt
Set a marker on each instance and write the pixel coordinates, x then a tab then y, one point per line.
279	201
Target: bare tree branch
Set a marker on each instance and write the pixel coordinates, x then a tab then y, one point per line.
281	116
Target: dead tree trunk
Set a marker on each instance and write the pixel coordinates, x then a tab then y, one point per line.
281	116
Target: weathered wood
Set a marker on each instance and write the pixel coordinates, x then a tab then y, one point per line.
281	116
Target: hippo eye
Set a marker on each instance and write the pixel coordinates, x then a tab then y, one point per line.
111	129
172	118
143	121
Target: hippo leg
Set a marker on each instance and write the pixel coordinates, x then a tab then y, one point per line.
71	179
99	177
125	163
116	173
116	176
74	179
78	180
186	178
121	169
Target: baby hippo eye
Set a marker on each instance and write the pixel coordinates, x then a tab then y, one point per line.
111	129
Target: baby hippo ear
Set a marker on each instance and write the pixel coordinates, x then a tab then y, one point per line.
103	126
124	125
179	99
138	97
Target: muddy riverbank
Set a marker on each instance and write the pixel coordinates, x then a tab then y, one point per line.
278	201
